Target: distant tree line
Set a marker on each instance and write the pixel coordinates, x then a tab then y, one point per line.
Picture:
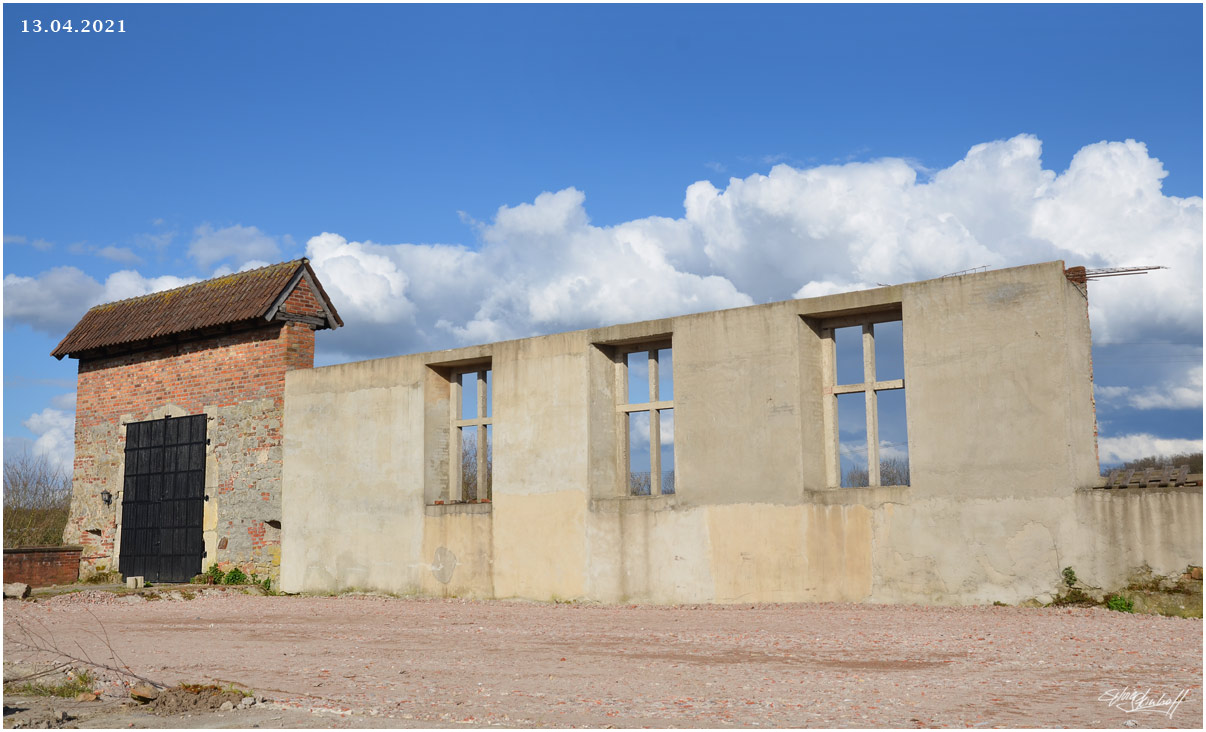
37	500
892	471
1192	459
640	483
469	467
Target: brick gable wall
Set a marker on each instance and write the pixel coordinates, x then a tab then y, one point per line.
303	301
238	380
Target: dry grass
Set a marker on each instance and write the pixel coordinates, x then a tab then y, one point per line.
77	683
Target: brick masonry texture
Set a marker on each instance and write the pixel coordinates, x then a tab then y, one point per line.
42	567
238	380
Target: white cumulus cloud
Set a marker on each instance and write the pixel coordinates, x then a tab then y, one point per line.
1113	450
794	232
1184	393
542	267
55	436
238	244
56	299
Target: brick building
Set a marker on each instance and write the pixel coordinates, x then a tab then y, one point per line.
178	421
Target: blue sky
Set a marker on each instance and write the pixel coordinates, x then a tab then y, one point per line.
462	174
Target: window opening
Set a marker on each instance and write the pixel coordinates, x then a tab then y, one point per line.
666	417
893	438
848	344
640	477
638	377
665	371
889	352
645	405
472	436
468	382
863	447
852	439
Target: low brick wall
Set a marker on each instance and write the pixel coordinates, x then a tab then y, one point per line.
42	566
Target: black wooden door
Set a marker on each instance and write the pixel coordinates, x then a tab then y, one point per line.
164	497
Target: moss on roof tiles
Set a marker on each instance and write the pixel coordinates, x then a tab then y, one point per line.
236	297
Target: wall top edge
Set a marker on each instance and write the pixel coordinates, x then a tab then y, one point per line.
36	549
879	299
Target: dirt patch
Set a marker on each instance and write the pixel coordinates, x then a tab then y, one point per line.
765	660
191	699
381	662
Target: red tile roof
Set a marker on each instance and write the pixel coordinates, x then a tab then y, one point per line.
237	298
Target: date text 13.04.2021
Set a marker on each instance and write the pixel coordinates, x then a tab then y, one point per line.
66	26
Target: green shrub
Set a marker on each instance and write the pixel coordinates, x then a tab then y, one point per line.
1120	604
1069	576
235	577
216	574
264	582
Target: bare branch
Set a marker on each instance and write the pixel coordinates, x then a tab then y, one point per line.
24	638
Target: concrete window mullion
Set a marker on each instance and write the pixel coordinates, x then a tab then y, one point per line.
454	440
484	413
655	431
872	413
482	465
622	451
833	474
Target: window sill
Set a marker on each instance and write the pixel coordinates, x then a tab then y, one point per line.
454	509
634	504
870	496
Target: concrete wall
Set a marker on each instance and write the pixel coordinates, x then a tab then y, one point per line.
1124	529
1001	440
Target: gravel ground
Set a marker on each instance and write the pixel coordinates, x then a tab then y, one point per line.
374	661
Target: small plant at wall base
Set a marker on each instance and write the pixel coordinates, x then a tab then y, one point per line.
1120	604
1069	577
1073	595
235	577
265	583
215	575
